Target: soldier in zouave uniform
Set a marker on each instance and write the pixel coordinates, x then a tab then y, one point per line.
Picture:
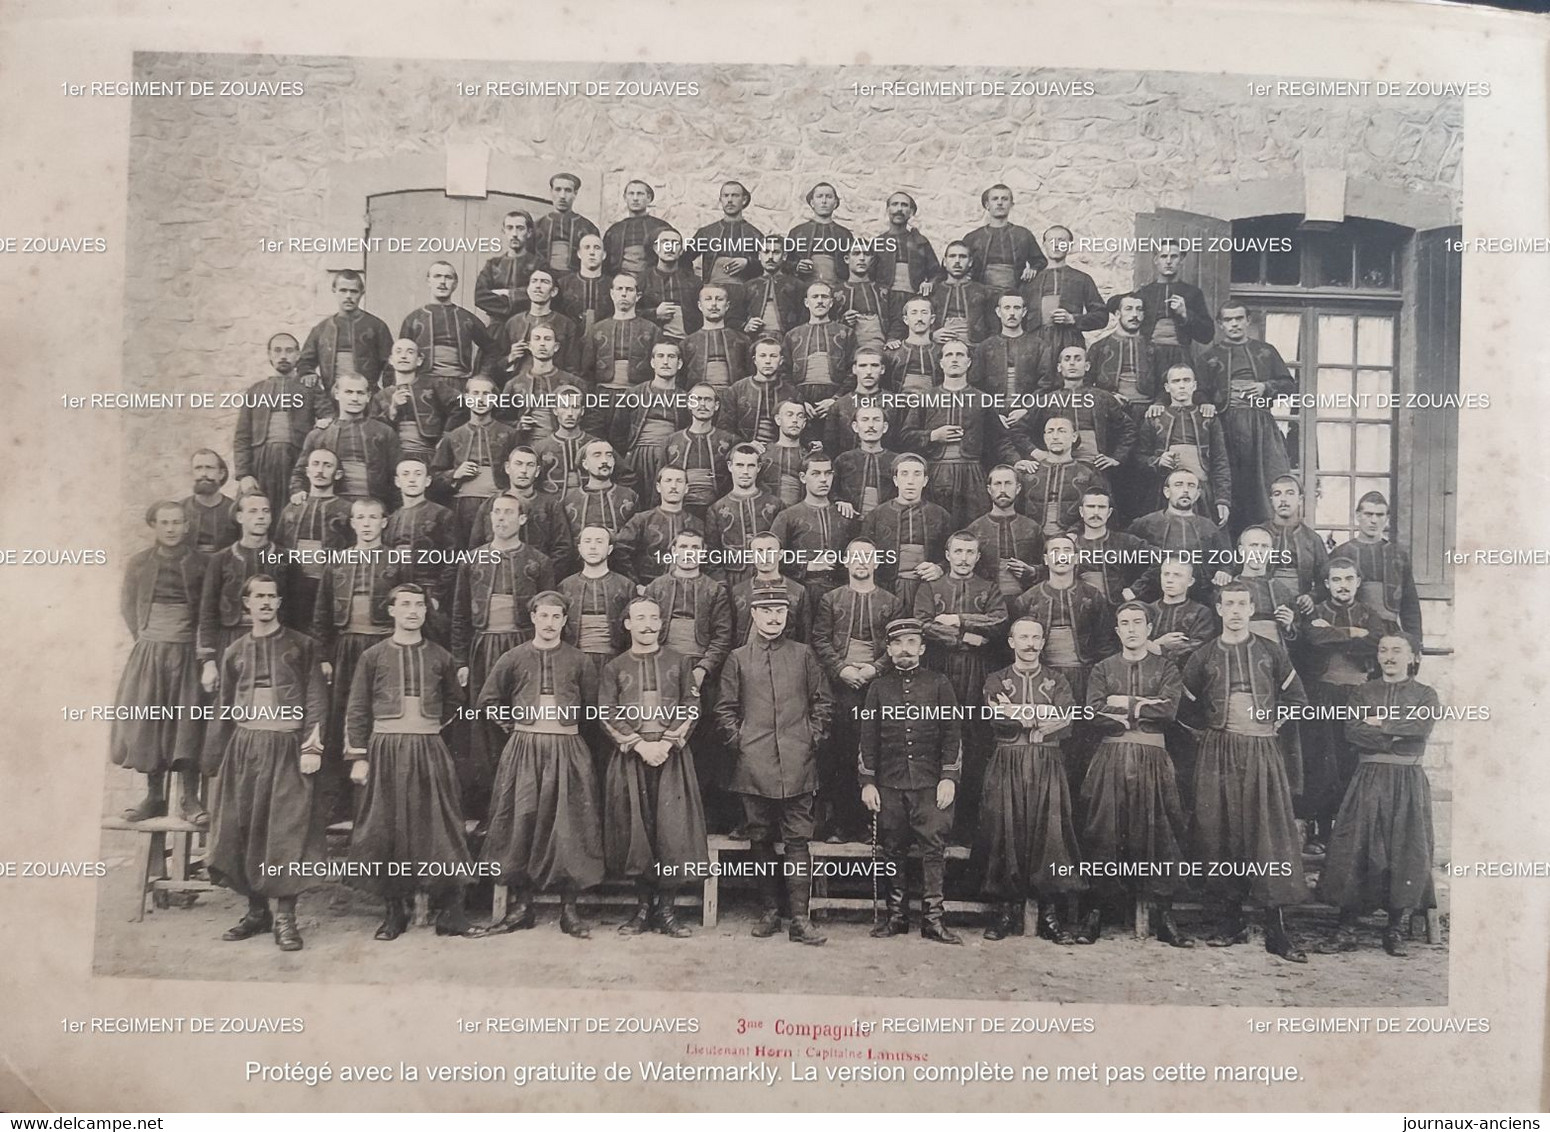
773	301
512	339
594	622
222	617
1176	317
617	353
670	290
404	692
951	433
909	531
1013	362
653	820
1180	531
352	341
696	611
728	250
912	362
773	710
862	302
426	533
160	604
1298	555
1013	541
321	521
469	466
545	821
1388	582
273	700
643	546
780	472
367	448
1026	842
350	615
813	531
1053	479
1274	616
584	295
911	759
453	343
500	289
960	306
1121	361
272	423
744	511
1105	434
819	350
489	618
1244	377
416	405
211	513
629	243
528	399
700	451
1063	301
1130	805
764	571
1179	627
848	636
1182	434
1078	631
715	353
559	455
964	618
867	368
863	475
1381	853
643	430
599	501
820	244
1110	561
548	527
904	260
1006	255
1337	651
748	408
1234	687
558	235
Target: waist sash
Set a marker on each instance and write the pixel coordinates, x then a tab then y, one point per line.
267	701
169	624
1241	718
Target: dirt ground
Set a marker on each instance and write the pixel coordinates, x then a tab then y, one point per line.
337	924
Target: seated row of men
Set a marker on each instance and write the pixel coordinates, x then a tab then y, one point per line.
963	614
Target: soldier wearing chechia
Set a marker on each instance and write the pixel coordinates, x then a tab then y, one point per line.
911	760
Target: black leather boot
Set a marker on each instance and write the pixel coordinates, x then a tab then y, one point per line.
934	923
666	919
1394	934
1234	929
1092	926
154	804
1278	941
640	922
769	892
799	891
897	921
395	921
1000	925
452	917
286	935
255	921
1050	927
1168	930
571	922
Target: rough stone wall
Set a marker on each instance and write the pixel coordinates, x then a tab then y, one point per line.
211	177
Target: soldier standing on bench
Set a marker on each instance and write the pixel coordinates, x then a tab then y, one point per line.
909	770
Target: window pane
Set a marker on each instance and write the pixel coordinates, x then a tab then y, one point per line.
1245	265
1375	263
1334	254
1371	385
1335	339
1334	447
1334	383
1284	268
1333	508
1373	451
1284	332
1375	341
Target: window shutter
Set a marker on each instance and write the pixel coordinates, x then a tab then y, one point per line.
1425	512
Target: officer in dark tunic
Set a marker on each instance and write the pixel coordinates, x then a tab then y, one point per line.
911	759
